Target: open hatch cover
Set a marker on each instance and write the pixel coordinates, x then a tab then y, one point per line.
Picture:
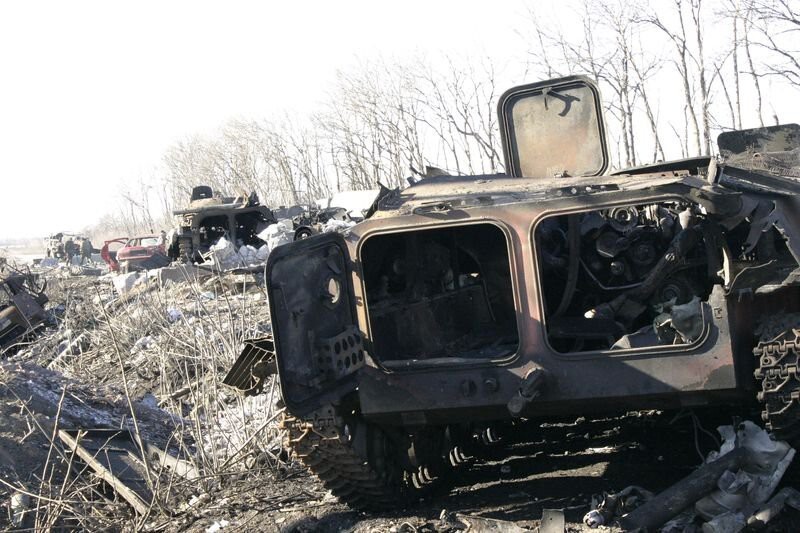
553	128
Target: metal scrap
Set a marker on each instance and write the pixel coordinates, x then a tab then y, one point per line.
732	485
22	300
116	459
612	506
552	521
480	524
786	496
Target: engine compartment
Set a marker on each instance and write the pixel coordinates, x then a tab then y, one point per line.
640	275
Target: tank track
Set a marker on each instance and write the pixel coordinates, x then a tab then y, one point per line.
354	461
777	355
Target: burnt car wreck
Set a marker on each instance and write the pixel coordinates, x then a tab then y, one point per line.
22	300
555	290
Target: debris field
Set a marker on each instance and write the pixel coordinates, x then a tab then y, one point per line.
146	365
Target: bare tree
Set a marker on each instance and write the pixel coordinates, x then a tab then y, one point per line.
458	107
747	24
778	25
678	38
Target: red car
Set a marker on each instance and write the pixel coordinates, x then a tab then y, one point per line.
110	256
142	253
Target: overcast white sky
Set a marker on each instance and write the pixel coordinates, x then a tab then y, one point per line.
92	93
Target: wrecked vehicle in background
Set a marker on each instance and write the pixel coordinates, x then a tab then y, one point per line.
54	244
313	221
22	300
109	255
340	211
209	217
308	220
555	290
141	253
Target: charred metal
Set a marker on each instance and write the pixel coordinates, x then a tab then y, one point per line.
207	218
22	300
557	289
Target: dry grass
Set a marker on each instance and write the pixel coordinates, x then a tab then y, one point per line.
166	348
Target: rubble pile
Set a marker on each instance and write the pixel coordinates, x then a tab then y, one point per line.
729	492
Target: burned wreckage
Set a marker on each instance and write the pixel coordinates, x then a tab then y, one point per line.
557	289
209	217
22	301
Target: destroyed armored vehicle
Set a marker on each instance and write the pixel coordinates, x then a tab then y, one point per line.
308	220
22	300
556	290
54	244
209	217
313	221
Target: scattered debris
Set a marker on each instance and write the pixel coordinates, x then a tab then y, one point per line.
22	300
182	273
277	234
725	491
115	457
180	467
256	362
740	492
19	505
613	506
786	496
480	524
552	521
217	525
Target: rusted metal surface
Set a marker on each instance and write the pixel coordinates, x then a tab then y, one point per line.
255	363
22	300
770	139
421	385
553	128
477	298
208	217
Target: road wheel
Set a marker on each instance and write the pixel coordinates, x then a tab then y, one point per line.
358	462
303	233
776	370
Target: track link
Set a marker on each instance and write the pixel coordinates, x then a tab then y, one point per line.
777	371
354	461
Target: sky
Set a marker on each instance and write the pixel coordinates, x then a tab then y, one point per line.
93	93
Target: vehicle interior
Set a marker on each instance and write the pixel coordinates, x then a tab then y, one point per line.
440	295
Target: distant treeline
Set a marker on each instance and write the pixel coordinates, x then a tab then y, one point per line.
673	74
